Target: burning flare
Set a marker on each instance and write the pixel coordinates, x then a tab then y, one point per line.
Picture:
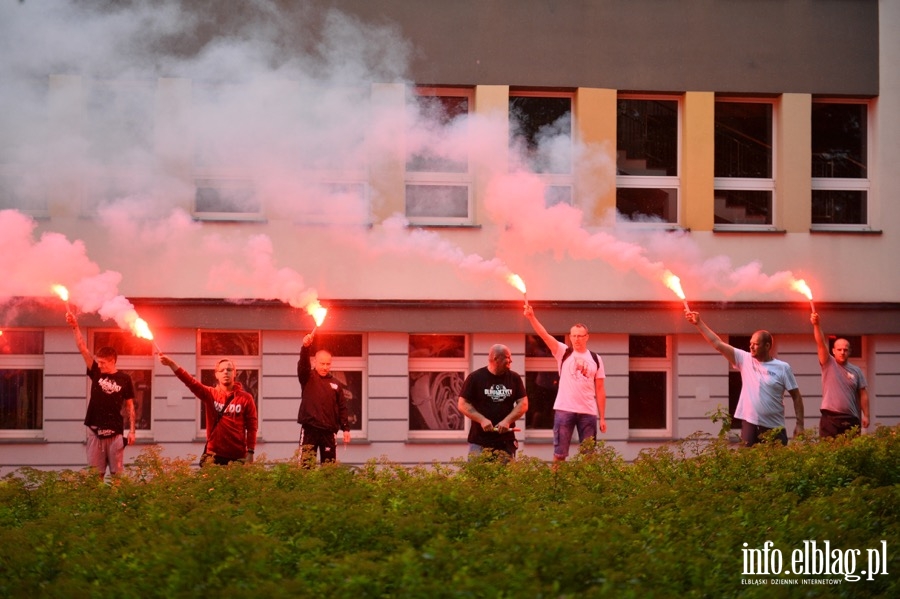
517	282
318	313
674	283
61	291
141	329
801	286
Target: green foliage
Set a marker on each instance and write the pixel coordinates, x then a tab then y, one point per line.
671	523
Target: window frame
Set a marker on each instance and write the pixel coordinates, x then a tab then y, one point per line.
440	365
665	365
424	179
665	182
550	180
242	363
863	184
360	364
35	362
128	363
767	184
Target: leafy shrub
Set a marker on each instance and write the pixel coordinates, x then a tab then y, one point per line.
672	523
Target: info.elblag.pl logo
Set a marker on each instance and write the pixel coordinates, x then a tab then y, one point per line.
813	563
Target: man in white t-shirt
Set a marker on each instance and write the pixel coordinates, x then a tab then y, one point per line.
581	396
764	379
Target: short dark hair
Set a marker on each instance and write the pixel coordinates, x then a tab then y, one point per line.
107	352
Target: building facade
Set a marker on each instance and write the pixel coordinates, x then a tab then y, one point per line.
396	163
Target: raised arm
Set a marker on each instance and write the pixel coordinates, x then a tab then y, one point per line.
821	344
549	339
714	340
304	367
79	340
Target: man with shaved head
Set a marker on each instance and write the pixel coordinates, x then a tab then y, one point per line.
764	380
323	406
493	398
845	399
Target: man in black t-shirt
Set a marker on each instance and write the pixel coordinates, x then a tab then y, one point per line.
110	390
493	398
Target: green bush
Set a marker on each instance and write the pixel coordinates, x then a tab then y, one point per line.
672	523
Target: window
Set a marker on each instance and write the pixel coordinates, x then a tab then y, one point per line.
135	357
735	384
649	388
840	178
438	365
243	349
24	194
438	171
647	182
21	383
120	122
540	129
226	199
223	188
348	365
104	190
22	178
744	180
541	384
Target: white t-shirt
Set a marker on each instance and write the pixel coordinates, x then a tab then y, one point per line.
762	390
577	391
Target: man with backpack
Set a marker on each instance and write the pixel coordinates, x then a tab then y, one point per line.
581	397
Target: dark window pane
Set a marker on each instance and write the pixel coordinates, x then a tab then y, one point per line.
647	137
448	201
21	342
143	398
21	399
839	139
743	140
647	346
743	207
647	400
249	380
437	346
536	348
735	384
541	388
433	401
535	123
643	203
839	207
340	345
855	344
125	344
229	344
353	380
442	110
236	197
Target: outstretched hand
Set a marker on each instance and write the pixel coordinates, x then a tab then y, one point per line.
692	317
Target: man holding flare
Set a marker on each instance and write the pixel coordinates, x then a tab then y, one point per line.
764	380
845	398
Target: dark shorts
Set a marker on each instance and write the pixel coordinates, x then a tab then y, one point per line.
751	434
833	424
